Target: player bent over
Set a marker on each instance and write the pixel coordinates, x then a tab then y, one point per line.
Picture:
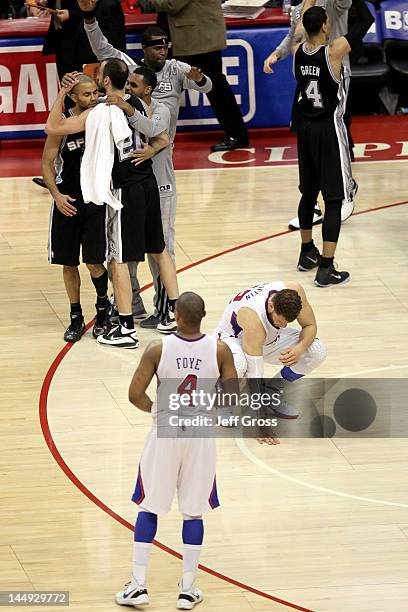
254	325
169	464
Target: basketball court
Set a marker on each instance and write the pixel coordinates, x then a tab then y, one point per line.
311	524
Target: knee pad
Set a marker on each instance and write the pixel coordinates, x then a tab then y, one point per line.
240	363
317	352
188	517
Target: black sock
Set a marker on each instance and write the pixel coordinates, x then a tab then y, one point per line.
307	246
101	302
326	262
172	304
101	284
126	321
76	313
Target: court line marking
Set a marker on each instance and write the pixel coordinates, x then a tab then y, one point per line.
265	166
46	431
254	459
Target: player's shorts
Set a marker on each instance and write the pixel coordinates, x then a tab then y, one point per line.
324	158
185	465
136	228
86	229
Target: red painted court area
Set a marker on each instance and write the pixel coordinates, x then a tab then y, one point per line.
376	139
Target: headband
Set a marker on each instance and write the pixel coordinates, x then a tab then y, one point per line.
156	42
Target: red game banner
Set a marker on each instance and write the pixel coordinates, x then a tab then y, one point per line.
28	87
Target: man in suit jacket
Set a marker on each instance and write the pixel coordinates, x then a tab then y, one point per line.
197	31
66	36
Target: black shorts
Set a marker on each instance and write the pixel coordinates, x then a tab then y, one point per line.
86	229
324	158
136	228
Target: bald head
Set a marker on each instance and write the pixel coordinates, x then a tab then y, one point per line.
82	78
191	308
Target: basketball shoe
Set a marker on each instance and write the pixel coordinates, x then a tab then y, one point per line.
167	324
347	210
117	337
188	599
76	329
133	594
102	321
309	260
151	322
325	277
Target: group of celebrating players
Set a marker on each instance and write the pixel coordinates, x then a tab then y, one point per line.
108	165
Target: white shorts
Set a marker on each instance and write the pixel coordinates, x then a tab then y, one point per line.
183	464
287	337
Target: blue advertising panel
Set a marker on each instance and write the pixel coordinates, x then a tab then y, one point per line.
394	18
29	84
265	100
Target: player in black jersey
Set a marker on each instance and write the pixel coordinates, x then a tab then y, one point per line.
324	163
136	228
74	224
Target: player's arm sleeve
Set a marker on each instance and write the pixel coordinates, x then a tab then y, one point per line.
285	46
364	22
101	46
342	5
149	127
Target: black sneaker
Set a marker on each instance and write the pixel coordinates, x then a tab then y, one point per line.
38	180
151	322
74	332
330	276
102	323
309	260
167	324
116	337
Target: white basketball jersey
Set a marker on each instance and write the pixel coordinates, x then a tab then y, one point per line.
187	365
256	298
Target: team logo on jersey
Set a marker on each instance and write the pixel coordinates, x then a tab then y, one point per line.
164	86
72	145
165	188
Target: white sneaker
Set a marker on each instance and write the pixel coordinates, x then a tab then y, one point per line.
116	337
317	219
133	595
188	599
167	325
347	207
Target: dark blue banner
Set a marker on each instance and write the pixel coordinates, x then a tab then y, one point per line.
394	19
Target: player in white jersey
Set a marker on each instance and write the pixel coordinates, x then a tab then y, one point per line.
254	325
178	463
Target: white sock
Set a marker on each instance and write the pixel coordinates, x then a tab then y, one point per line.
141	554
191	557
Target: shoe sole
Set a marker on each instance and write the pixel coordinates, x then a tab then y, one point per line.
187	605
126	602
302	269
127	346
332	284
166	331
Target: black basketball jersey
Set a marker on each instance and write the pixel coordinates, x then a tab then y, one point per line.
124	172
320	92
68	162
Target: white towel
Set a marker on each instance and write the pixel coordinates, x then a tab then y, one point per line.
105	127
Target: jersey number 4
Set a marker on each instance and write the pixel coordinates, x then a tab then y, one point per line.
187	387
312	93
